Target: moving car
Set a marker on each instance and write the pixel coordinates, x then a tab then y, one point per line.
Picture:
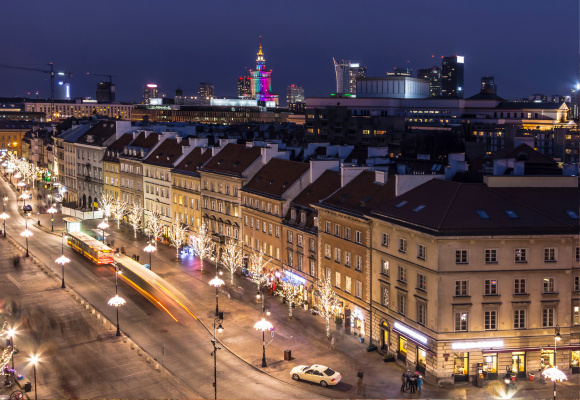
316	373
27	208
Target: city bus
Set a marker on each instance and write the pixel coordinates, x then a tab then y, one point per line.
90	248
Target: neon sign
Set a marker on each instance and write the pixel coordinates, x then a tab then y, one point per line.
415	335
476	345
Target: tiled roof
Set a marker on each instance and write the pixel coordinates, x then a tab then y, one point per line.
166	154
16	125
117	147
323	187
485	96
145	142
101	132
524	153
193	160
450	208
276	177
233	159
362	194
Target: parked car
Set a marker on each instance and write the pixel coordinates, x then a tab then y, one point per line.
27	208
316	373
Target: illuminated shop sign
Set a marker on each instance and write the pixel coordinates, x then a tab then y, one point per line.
293	277
411	333
477	345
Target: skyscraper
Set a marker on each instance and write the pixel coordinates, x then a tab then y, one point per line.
346	75
488	85
149	92
106	92
401	72
433	75
261	79
452	76
205	92
244	87
294	94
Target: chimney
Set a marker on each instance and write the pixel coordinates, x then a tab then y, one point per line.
317	168
348	172
381	177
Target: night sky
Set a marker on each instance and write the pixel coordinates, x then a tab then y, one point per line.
530	46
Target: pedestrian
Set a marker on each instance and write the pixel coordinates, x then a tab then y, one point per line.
332	341
358	385
408	376
413	383
420	382
403	382
359	374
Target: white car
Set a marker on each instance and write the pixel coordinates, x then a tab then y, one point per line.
316	373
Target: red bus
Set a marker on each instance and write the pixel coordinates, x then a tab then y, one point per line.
90	248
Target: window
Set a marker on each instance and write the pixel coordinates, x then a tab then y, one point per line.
358	266
549	285
461	288
245	220
402	304
490	320
358	237
347	258
550	255
577	253
227	189
290	237
521	255
312	268
292	215
577	283
257	224
270	208
311	245
520	286
277	253
402	245
251	222
276	210
290	257
347	283
327	251
385	296
421	313
490	255
402	274
277	231
270	229
385	267
302	217
358	289
421	251
299	237
220	207
336	230
385	240
421	282
245	200
519	319
576	315
337	279
461	321
264	227
548	317
461	256
337	255
327	227
491	286
347	233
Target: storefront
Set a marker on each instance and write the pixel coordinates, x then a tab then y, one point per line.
412	347
461	367
421	360
490	366
575	361
357	321
385	336
402	353
546	359
484	350
519	363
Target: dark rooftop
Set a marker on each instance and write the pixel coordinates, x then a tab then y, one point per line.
100	133
194	160
276	177
166	154
233	159
323	187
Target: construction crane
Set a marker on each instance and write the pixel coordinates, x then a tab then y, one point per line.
110	76
51	72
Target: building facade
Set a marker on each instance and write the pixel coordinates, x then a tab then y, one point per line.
205	92
80	109
452	70
262	79
149	92
433	75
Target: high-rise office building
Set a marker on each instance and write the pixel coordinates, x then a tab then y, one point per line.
149	92
398	71
244	87
346	75
205	92
262	79
488	85
294	94
106	92
433	75
62	91
452	76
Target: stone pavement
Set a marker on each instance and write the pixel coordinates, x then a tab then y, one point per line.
66	336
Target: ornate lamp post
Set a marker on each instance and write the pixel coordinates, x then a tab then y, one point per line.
4	216
150	249
51	211
264	326
23	197
117	301
220	329
34	361
26	233
102	226
12	334
554	373
216	282
17	176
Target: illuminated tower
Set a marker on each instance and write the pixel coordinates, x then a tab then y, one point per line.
261	79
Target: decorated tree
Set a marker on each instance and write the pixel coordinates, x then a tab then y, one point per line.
135	217
177	234
291	292
119	210
107	205
6	352
327	302
203	244
232	257
154	224
257	268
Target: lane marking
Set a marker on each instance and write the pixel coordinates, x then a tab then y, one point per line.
14	281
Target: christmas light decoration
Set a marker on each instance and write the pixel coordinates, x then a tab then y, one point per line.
202	244
232	258
327	302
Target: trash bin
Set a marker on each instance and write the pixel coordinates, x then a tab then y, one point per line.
137	257
361	339
28	387
287	355
531	376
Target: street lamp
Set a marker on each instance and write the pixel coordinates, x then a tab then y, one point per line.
102	226
34	361
26	233
220	329
263	326
117	301
149	249
51	211
12	334
23	197
554	373
4	216
217	282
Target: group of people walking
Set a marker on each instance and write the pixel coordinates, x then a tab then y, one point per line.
414	382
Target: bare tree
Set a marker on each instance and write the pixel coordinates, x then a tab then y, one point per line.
232	257
119	211
203	244
135	217
257	268
327	302
154	224
107	205
177	234
291	292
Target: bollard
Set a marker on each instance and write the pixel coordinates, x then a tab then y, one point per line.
93	311
124	339
157	366
111	327
82	302
139	352
104	321
132	345
98	315
87	306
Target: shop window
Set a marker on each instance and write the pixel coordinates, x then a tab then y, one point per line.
385	342
402	348
461	321
575	361
461	365
546	359
421	360
490	366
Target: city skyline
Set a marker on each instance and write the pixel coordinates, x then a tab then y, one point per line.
380	45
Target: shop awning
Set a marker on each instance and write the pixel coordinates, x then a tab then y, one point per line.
416	343
569	347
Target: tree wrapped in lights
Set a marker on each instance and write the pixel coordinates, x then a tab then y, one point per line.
135	217
154	224
119	210
203	244
327	303
7	351
256	266
107	204
232	258
177	234
291	292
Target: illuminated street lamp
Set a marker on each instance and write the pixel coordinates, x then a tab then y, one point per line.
51	211
21	184
34	361
117	301
102	226
220	329
4	216
12	333
217	282
554	373
150	249
23	197
264	326
26	233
